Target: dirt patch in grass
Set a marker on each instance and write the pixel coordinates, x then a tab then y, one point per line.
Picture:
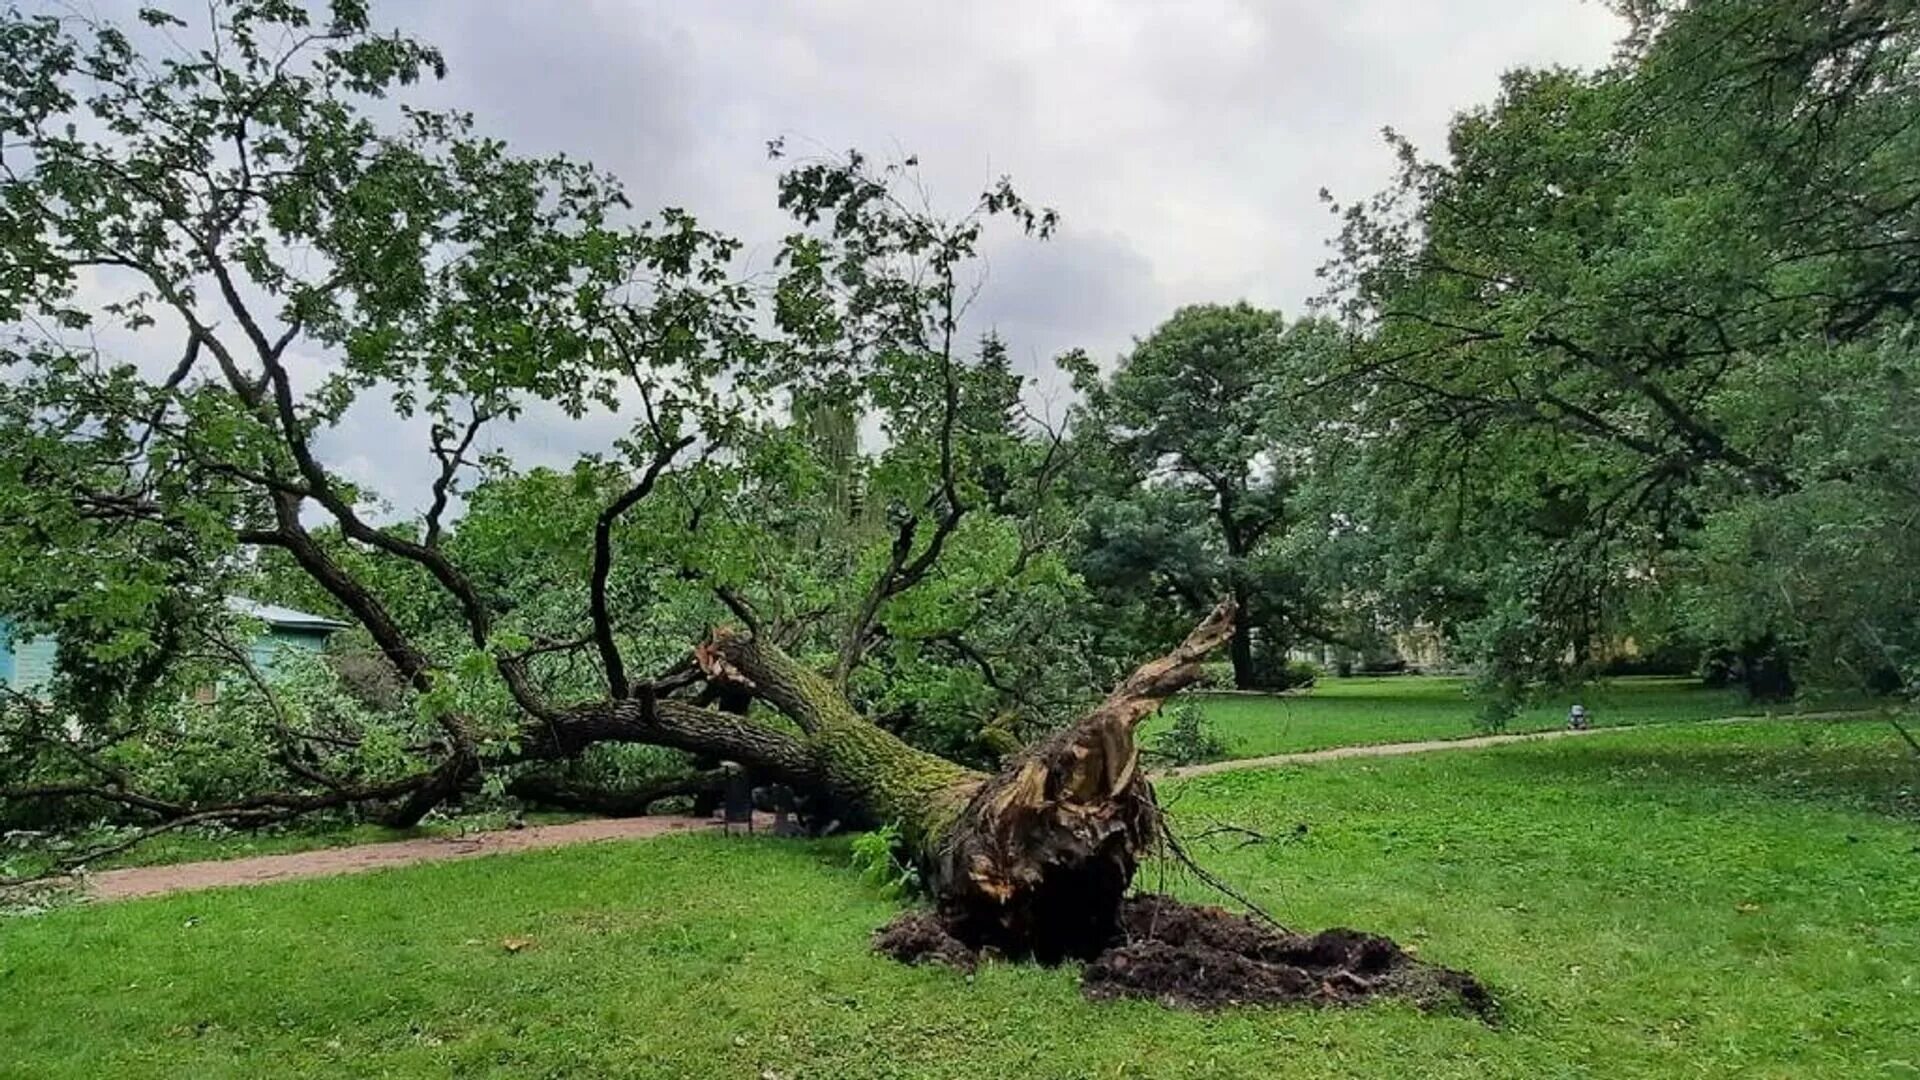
140	881
1195	957
919	937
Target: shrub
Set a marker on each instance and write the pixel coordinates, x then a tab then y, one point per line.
876	855
1301	674
1188	740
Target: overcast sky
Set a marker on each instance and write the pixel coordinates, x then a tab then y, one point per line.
1184	144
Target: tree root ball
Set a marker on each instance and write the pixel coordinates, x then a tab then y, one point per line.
1194	957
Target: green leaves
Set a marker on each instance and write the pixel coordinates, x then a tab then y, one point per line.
1583	327
1208	431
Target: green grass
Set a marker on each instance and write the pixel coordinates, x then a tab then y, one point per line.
1365	711
1698	901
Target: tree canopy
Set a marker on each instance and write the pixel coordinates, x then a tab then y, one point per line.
1208	433
217	253
1644	341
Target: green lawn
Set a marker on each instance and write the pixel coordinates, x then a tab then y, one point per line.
1701	901
1408	708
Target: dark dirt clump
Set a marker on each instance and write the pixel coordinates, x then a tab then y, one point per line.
1194	957
1205	957
919	937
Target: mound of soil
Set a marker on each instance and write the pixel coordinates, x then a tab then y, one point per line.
919	937
1195	957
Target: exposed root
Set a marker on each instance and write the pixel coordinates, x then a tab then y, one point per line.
1042	853
1194	957
1205	957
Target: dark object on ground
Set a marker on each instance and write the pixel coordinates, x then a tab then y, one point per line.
1762	667
737	807
919	937
1886	681
779	799
1195	957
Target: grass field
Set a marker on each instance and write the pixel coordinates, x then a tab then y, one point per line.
1699	901
1365	711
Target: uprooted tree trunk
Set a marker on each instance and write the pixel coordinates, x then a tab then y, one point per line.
1033	860
1037	859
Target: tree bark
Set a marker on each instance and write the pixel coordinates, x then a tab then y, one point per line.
561	794
770	753
871	771
1032	861
1240	650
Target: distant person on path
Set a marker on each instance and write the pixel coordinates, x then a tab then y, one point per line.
1577	718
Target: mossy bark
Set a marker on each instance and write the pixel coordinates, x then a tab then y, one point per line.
861	765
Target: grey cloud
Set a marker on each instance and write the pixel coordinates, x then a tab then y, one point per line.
1184	143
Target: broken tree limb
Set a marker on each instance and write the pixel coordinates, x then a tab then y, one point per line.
560	793
863	767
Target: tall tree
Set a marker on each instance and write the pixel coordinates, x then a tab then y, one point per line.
299	246
1210	436
1643	318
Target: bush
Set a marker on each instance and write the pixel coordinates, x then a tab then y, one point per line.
878	856
1274	669
1216	674
1188	740
1301	674
1501	696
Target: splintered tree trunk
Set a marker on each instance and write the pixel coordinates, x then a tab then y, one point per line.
1032	861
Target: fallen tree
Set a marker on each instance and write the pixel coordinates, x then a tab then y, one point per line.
254	209
1033	860
1038	859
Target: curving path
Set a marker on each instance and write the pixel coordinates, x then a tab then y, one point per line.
1393	749
326	862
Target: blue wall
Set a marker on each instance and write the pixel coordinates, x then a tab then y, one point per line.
27	664
268	645
24	664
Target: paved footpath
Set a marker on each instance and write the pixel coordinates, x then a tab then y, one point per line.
327	862
1472	743
1395	749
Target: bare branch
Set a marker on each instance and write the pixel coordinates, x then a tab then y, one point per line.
451	459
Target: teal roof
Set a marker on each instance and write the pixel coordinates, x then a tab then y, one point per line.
282	618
